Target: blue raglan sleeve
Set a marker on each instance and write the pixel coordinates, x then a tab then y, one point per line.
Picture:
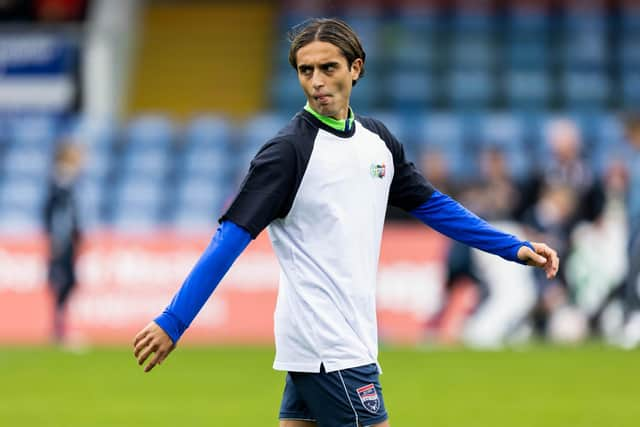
450	218
227	244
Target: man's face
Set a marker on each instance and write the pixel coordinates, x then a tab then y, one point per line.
326	78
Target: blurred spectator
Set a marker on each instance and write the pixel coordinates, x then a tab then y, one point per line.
487	302
566	167
597	263
62	227
436	168
631	332
551	218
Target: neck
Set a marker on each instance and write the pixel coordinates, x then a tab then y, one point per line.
338	124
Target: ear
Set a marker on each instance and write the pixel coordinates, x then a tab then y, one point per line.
356	67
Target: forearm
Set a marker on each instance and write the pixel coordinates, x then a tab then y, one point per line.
450	218
227	244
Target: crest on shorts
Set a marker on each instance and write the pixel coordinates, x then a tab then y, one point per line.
369	397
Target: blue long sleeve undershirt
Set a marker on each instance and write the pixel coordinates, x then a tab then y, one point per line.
439	212
227	244
450	218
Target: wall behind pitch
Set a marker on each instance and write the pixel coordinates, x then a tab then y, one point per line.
125	281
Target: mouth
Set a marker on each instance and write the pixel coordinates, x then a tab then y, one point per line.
322	99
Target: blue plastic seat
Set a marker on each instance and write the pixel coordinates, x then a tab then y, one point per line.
208	131
410	90
445	133
285	93
527	50
631	89
472	51
526	89
27	161
586	90
629	53
506	132
22	193
149	132
473	88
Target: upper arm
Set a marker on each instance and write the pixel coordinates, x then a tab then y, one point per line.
267	190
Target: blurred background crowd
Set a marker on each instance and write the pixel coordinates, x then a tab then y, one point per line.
525	110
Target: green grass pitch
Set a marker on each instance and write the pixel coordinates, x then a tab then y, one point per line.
235	386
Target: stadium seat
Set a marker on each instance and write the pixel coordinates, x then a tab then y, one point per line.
27	161
528	17
366	96
630	52
609	143
630	17
527	89
445	133
475	88
586	50
257	131
473	17
149	132
140	191
33	131
190	219
208	131
286	94
472	51
411	50
200	193
147	149
526	50
20	221
506	132
22	193
409	90
586	90
418	18
89	197
136	219
631	90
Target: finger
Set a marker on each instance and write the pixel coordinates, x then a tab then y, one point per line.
154	361
142	344
145	354
143	333
536	259
555	265
164	354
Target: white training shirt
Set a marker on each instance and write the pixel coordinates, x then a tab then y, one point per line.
323	194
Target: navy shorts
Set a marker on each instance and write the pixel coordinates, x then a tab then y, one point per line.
347	398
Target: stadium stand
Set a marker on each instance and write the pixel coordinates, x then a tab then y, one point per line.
452	78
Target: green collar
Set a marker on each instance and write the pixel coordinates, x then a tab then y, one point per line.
341	125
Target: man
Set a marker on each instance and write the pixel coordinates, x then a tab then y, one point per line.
63	231
631	331
322	185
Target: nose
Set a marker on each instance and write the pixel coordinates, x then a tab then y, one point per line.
316	80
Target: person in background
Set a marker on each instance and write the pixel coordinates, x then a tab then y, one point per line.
631	331
63	232
567	168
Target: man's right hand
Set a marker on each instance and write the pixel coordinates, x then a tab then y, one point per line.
152	339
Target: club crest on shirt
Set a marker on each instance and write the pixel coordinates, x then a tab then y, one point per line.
369	397
378	171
